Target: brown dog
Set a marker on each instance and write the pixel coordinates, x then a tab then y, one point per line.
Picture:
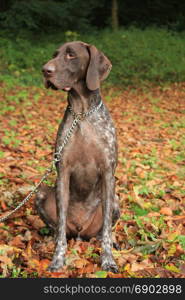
83	202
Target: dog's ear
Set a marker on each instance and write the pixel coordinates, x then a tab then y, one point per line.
98	69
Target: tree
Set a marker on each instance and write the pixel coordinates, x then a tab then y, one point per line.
4	5
115	22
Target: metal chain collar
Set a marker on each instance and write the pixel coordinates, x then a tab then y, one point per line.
77	118
56	157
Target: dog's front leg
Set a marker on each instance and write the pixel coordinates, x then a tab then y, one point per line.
62	199
108	263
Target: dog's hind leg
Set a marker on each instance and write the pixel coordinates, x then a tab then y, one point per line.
46	205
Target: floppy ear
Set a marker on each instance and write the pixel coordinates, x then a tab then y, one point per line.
98	69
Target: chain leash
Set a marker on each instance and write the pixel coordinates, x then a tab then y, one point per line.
56	157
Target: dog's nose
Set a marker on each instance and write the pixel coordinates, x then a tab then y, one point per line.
48	69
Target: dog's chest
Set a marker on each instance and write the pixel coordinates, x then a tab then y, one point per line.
93	140
85	147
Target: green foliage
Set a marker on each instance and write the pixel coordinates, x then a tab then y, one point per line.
38	15
139	211
16	272
169	13
45	231
46	15
181	239
138	56
1	156
10	138
101	274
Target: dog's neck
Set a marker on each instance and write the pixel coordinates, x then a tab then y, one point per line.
81	99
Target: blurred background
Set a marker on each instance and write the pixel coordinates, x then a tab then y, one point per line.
145	40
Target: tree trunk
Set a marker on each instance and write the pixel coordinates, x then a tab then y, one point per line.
4	5
115	22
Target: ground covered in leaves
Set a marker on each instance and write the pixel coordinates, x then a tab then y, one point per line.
150	175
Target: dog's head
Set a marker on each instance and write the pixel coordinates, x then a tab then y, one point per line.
73	62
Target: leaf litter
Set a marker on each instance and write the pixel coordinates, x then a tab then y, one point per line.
150	175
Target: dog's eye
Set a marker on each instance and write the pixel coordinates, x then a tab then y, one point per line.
70	56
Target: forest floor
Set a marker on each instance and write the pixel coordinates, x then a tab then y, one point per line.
150	176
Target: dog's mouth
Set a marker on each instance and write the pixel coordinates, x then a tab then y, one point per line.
66	89
51	85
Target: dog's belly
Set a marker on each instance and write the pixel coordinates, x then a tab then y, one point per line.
85	200
85	159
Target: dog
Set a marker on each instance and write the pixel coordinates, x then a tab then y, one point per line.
83	202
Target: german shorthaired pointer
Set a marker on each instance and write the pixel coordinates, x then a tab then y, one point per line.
83	202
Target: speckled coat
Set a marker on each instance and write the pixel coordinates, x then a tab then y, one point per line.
83	202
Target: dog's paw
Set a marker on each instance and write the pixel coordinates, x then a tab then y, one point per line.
56	264
109	265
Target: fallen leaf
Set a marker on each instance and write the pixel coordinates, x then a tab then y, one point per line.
17	242
172	268
3	205
166	211
141	265
80	263
43	265
35	221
